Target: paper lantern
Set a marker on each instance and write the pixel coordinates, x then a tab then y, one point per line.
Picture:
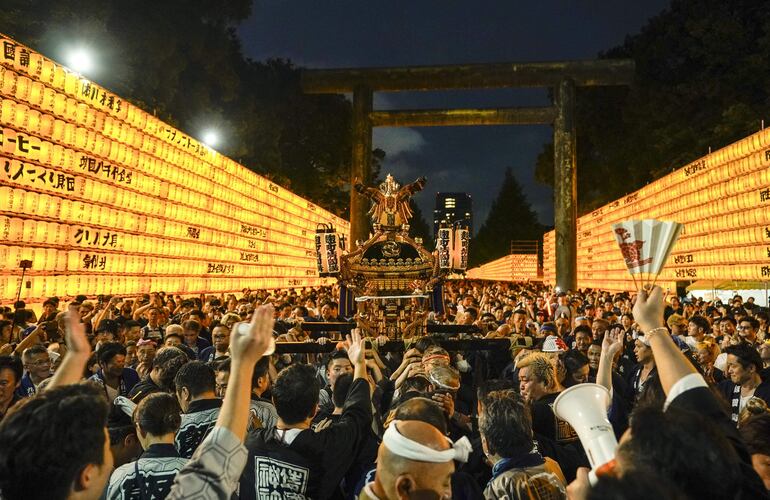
57	132
71	83
36	93
31	202
17	199
69	134
8	82
9	285
54	205
20	117
6	198
23	85
460	243
8	111
33	120
9	261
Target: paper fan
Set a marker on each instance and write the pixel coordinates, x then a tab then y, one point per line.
645	245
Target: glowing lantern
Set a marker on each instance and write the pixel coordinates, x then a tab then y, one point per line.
8	82
8	111
23	85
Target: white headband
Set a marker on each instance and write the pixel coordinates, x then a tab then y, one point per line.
404	447
642	338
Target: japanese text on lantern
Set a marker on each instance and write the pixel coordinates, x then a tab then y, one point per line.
106	198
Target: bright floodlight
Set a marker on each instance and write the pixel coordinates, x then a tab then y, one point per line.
210	138
80	60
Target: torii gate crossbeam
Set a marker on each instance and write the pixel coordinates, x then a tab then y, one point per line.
561	76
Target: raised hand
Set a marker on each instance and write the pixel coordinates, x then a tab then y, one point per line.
648	309
446	402
250	341
75	333
413	354
415	369
613	341
78	351
356	348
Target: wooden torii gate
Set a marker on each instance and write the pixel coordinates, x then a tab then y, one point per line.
562	77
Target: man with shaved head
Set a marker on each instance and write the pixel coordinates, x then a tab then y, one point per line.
422	409
415	461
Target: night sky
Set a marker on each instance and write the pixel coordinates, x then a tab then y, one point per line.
355	33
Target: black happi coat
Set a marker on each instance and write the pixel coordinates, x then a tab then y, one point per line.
313	465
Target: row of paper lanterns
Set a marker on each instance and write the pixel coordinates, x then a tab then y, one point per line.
508	268
726	238
72	261
731	154
68	108
42	287
47	154
216	229
20	232
82	138
25	232
720	181
741	272
734	195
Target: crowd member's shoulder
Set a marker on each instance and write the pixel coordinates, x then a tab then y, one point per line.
35	462
637	484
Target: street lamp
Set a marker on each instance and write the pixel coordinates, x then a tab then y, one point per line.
80	60
210	138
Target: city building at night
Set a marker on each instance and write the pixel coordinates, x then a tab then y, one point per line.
451	208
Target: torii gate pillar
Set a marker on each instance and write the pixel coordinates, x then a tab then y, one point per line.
565	185
361	163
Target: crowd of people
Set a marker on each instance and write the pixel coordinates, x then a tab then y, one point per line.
161	396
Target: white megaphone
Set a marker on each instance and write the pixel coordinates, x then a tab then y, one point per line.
584	407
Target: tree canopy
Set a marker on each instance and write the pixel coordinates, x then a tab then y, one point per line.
702	81
510	218
419	228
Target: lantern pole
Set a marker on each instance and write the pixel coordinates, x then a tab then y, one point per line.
21	283
24	265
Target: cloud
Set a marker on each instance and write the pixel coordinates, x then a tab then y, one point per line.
401	168
396	141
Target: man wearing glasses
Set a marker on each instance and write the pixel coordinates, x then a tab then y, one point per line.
747	330
220	349
37	367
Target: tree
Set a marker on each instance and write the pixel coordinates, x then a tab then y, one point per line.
701	83
510	218
419	228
